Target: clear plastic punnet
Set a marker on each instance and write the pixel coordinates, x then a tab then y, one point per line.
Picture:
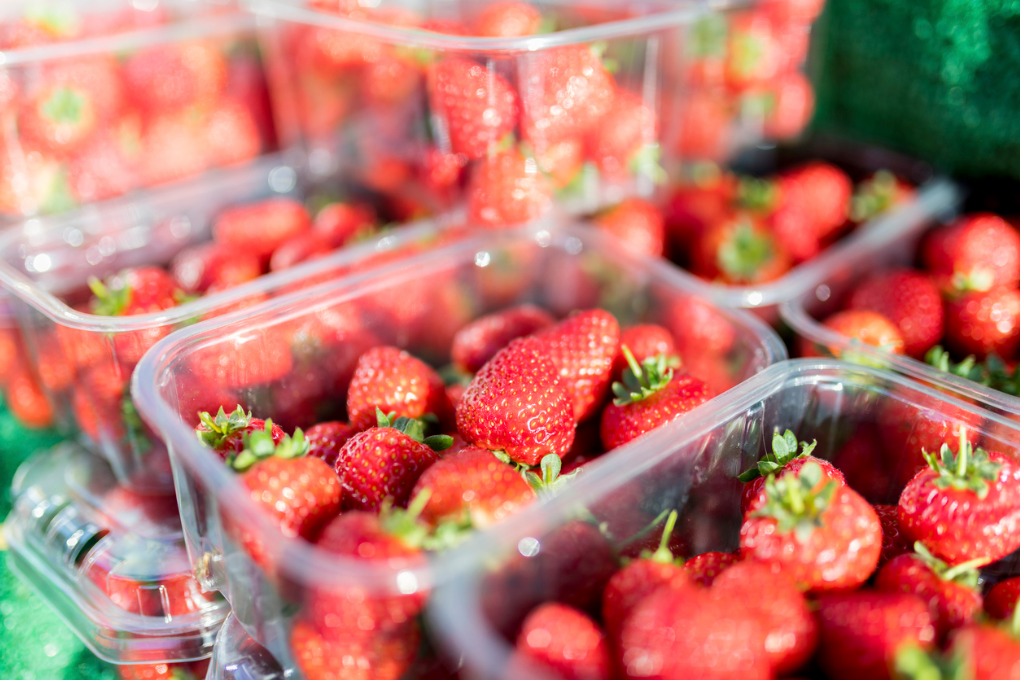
237	656
292	359
865	421
103	100
109	560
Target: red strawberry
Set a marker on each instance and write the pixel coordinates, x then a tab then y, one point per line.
700	329
159	671
301	493
637	224
878	194
98	404
477	342
26	400
979	323
862	632
564	642
1003	598
866	466
645	341
261	227
135	291
507	19
198	268
752	56
225	433
792	105
817	531
582	348
650	395
517	403
389	379
231	134
342	223
787	457
245	361
167	77
384	462
355	654
106	166
327	438
475	106
975	253
792	631
987	652
821	192
860	326
173	148
704	568
965	506
893	542
390	81
661	634
739	249
626	141
472	488
506	189
910	300
951	592
705	127
793	11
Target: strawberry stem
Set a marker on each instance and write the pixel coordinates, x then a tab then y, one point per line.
641	380
663	555
785	449
968	469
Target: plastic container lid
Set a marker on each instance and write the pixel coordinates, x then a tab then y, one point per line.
237	656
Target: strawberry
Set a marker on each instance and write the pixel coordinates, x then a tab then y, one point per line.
964	506
245	361
645	341
865	465
301	493
700	329
705	127
987	652
877	194
752	53
354	655
198	268
261	227
979	323
106	166
821	192
342	223
787	457
225	433
390	81
626	141
910	300
160	671
704	568
582	348
173	148
637	224
564	642
389	379
792	631
26	400
472	488
475	106
506	189
793	11
660	635
860	326
975	253
231	134
792	105
893	542
167	77
507	19
650	395
739	249
478	341
150	579
518	403
1003	598
860	633
327	438
98	404
817	531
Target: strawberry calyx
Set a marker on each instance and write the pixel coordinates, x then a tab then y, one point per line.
873	196
977	280
745	252
708	36
646	162
965	574
967	469
797	502
548	481
415	429
406	524
64	105
785	449
107	300
757	194
914	663
641	380
260	445
993	373
58	20
221	427
663	555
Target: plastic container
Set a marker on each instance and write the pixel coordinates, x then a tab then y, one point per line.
825	296
237	656
555	551
300	352
110	561
99	102
385	94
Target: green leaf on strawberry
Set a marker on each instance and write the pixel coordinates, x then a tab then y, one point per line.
967	469
260	445
784	450
641	380
797	503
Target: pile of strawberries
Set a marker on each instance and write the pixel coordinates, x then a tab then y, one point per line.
95	126
822	582
964	302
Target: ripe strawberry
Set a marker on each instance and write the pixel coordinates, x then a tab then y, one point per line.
327	438
752	53
965	506
865	465
389	379
163	78
860	633
893	542
661	634
650	395
975	253
987	652
26	400
739	249
564	642
225	433
472	488
354	655
705	127
475	106
173	148
160	671
792	105
819	190
787	457
910	300
792	632
979	323
342	222
817	531
704	568
507	19
478	341
878	194
261	227
518	403
390	81
98	404
245	362
860	326
106	166
232	135
1003	598
626	141
645	341
506	189
637	224
198	268
700	329
582	348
